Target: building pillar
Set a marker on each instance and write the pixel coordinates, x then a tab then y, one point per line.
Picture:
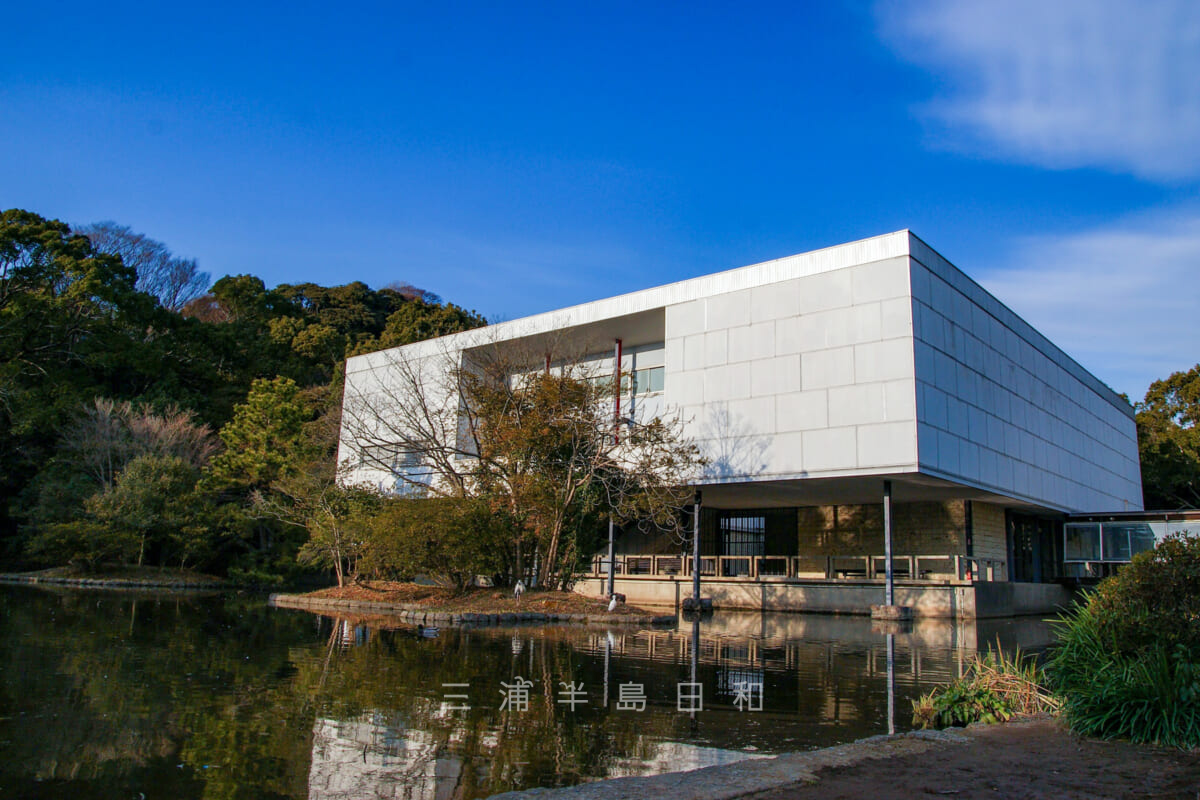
889	610
889	593
696	552
612	559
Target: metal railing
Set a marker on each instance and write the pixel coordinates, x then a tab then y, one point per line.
927	567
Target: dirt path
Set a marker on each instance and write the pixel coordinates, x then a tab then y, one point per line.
1030	760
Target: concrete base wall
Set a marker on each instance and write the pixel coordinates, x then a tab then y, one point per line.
1001	599
958	600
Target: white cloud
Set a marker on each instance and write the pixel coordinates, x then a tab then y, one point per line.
1123	301
1062	83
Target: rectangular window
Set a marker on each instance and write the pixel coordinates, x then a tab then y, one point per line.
1141	539
1122	541
743	536
1106	542
1116	543
1082	542
649	380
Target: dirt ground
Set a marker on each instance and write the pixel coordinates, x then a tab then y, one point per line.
475	601
1033	760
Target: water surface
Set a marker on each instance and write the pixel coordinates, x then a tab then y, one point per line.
111	694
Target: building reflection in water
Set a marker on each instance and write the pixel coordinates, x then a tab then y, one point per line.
823	680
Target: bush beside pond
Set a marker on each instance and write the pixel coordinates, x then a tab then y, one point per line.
1127	663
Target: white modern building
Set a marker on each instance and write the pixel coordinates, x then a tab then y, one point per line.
808	382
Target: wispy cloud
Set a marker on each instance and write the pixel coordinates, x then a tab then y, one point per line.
1061	83
1123	301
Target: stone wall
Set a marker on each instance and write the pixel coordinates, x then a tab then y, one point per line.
917	529
987	524
951	599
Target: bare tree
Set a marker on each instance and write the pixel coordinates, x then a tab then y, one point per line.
331	513
538	439
108	434
410	292
174	281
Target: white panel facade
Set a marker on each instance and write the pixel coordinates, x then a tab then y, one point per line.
808	357
872	358
1001	408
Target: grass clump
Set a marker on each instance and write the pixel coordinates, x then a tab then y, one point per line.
994	688
1127	663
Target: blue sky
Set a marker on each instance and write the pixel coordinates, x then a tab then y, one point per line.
519	158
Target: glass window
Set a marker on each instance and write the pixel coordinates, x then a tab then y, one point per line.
1141	539
1120	536
649	380
1081	542
603	382
1116	542
744	536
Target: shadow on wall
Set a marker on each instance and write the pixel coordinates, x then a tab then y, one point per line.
735	449
919	528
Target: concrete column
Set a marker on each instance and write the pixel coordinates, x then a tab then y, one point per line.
890	590
612	559
696	553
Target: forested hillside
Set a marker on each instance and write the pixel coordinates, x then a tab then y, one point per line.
141	409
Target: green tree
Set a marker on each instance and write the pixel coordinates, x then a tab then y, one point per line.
265	439
448	539
1168	423
417	320
155	503
153	512
71	325
333	516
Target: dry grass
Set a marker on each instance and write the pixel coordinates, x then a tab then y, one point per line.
474	601
994	688
1016	678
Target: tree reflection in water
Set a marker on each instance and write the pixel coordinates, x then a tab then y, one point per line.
107	694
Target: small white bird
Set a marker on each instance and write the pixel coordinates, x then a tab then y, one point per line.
612	604
519	590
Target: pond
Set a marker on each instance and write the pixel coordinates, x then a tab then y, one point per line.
111	694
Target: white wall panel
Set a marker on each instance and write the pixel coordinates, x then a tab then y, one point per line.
824	368
800	411
1045	430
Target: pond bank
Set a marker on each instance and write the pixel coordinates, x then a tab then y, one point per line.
1030	759
417	613
98	582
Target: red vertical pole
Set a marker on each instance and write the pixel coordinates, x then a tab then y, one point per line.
617	393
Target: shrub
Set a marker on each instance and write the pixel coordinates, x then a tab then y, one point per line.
449	540
1155	599
1127	662
994	688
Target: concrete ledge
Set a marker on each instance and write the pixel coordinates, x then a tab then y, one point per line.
418	614
952	600
752	775
891	613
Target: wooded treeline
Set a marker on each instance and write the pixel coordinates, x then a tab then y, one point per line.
149	418
141	410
